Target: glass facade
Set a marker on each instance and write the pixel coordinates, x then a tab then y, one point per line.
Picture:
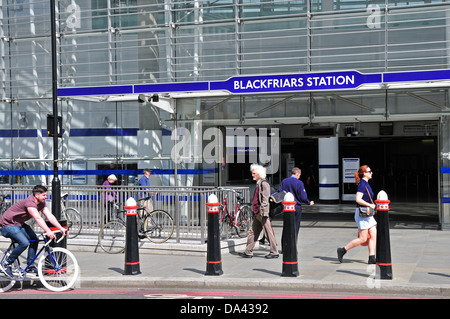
118	42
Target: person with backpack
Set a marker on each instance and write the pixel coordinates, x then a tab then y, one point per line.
295	186
260	206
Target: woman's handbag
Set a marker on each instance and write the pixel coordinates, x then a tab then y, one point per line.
366	211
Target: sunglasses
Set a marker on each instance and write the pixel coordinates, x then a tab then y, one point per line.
369	171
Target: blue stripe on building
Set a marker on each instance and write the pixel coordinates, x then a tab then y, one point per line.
107	172
74	132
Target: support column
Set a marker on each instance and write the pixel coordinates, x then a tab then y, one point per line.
329	168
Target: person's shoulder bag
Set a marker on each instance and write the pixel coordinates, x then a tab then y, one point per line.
366	211
276	203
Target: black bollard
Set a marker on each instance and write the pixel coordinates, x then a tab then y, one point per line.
384	263
289	244
132	266
213	255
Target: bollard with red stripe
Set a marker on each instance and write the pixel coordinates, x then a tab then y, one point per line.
213	254
289	244
384	263
132	266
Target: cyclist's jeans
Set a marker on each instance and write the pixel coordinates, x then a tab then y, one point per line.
22	235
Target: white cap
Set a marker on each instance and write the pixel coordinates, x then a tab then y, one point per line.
212	199
288	197
130	202
382	195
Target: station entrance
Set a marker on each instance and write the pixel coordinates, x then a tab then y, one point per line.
406	167
405	164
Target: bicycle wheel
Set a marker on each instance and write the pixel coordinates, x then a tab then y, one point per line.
112	237
243	221
224	227
158	226
7	282
58	269
74	222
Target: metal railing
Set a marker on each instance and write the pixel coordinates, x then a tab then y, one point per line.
187	205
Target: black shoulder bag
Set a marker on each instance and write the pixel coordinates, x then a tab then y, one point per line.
366	211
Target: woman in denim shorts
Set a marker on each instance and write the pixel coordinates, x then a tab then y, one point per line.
367	230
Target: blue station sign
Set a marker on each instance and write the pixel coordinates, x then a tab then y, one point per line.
276	83
296	82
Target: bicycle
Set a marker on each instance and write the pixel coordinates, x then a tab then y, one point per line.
57	268
4	204
240	220
72	217
157	226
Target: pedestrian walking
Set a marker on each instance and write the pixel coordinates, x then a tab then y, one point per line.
261	221
145	181
295	186
367	230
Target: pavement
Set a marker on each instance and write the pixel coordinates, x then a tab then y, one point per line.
420	260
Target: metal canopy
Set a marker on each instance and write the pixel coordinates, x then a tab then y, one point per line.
259	84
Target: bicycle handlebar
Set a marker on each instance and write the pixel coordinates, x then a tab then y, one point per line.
59	240
145	198
228	189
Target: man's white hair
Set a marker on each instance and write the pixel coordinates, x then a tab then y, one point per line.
260	170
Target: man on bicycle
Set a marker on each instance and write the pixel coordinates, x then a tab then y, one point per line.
13	226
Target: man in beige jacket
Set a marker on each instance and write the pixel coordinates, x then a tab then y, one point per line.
261	221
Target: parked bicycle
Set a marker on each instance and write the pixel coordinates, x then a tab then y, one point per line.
5	203
157	226
240	220
71	215
57	268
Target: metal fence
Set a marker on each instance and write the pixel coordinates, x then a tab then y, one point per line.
187	205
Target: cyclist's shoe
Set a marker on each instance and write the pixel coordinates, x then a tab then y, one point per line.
6	269
141	235
32	270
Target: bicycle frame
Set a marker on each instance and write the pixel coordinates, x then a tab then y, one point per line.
225	212
141	217
234	217
45	247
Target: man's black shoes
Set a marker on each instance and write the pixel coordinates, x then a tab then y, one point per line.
245	255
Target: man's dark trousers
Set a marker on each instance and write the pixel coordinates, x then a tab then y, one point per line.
298	218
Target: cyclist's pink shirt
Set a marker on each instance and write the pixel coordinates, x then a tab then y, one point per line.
18	213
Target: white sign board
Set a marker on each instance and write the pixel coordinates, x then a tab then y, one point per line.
349	167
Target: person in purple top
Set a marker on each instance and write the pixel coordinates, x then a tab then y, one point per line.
367	230
110	197
13	226
295	186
